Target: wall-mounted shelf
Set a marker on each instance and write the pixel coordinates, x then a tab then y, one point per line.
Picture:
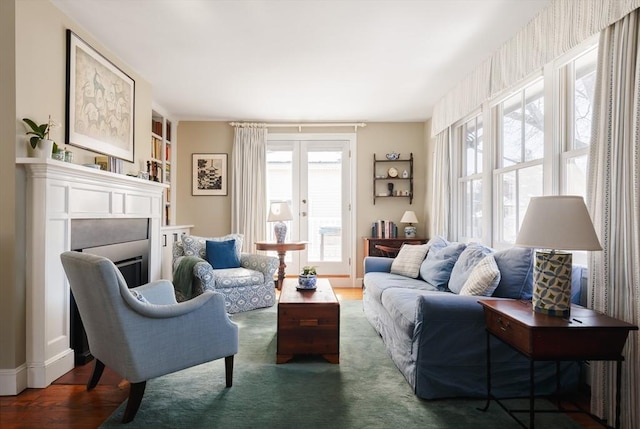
383	178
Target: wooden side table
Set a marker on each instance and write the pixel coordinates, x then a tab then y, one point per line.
282	249
584	335
370	244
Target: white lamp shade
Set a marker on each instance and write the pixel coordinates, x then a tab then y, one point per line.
559	222
409	217
279	212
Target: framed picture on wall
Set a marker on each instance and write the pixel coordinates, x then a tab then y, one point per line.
209	174
100	102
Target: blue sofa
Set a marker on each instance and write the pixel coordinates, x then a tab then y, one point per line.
437	338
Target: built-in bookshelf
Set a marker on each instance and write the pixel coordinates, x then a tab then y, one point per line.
162	155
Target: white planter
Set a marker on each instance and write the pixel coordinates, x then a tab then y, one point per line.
45	148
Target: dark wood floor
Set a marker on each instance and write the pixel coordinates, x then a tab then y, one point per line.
66	404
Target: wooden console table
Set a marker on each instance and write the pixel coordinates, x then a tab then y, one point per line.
282	249
584	335
370	244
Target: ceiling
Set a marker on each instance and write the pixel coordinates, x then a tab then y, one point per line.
305	60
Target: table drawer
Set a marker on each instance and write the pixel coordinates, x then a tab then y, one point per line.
509	330
295	316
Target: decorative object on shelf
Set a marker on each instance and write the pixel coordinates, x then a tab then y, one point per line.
409	217
392	172
390	188
40	143
92	79
555	222
279	212
393	156
209	174
307	279
68	155
405	174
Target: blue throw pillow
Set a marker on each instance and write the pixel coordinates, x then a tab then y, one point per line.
516	273
469	258
222	254
436	269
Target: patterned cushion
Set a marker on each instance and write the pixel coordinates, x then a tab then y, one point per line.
408	261
469	258
484	278
138	296
238	277
197	246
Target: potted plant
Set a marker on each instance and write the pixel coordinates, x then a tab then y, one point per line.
307	279
40	142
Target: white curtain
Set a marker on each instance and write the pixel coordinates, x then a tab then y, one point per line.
248	201
614	201
441	195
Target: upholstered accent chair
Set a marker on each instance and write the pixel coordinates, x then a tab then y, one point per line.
143	333
247	285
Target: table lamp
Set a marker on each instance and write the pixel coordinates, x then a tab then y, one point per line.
279	212
410	218
555	222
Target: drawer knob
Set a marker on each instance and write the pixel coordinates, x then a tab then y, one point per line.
503	326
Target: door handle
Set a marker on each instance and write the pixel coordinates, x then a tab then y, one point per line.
303	214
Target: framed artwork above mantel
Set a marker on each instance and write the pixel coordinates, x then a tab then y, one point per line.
100	102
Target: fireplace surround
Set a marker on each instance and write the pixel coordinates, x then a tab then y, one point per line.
59	195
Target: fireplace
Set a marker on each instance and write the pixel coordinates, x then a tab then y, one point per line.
123	241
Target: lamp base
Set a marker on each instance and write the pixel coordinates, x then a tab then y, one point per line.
552	283
410	231
280	231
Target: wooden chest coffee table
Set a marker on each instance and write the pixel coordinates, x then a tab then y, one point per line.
308	322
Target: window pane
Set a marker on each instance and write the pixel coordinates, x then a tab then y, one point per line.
576	175
583	96
512	130
529	185
509	196
534	122
476	213
279	173
470	148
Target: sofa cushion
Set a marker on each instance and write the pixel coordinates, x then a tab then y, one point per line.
465	264
237	277
376	283
222	254
436	268
401	305
484	278
516	273
197	246
408	261
437	243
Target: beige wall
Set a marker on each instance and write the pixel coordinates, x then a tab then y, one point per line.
212	215
32	84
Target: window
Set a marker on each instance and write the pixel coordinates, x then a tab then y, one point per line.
470	137
520	143
580	82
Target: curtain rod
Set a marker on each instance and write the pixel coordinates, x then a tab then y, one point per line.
355	125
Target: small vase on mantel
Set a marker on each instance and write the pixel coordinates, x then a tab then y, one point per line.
44	148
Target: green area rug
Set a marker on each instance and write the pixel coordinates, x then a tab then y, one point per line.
365	390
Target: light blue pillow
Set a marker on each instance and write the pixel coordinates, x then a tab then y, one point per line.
222	254
516	273
437	243
436	269
469	258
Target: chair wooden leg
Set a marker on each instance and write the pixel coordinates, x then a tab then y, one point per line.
228	370
98	368
136	390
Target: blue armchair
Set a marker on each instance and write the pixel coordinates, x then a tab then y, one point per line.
244	288
143	333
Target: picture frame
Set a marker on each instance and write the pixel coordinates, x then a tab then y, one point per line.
209	174
100	102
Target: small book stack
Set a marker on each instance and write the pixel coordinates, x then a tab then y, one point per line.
384	229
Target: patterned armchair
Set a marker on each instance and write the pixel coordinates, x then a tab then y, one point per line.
247	287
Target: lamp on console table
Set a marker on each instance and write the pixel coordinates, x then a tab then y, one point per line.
555	222
409	217
279	212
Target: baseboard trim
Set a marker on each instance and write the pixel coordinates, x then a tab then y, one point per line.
13	381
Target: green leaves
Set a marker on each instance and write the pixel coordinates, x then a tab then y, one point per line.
39	131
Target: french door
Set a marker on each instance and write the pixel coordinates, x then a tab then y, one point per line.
313	173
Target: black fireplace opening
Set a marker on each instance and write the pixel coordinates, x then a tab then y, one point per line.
123	241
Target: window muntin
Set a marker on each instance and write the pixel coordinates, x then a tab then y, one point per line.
470	135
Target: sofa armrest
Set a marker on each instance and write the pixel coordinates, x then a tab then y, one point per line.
267	265
377	264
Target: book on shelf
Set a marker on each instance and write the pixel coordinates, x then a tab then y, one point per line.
383	228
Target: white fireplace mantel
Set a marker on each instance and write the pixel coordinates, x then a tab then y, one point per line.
56	193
